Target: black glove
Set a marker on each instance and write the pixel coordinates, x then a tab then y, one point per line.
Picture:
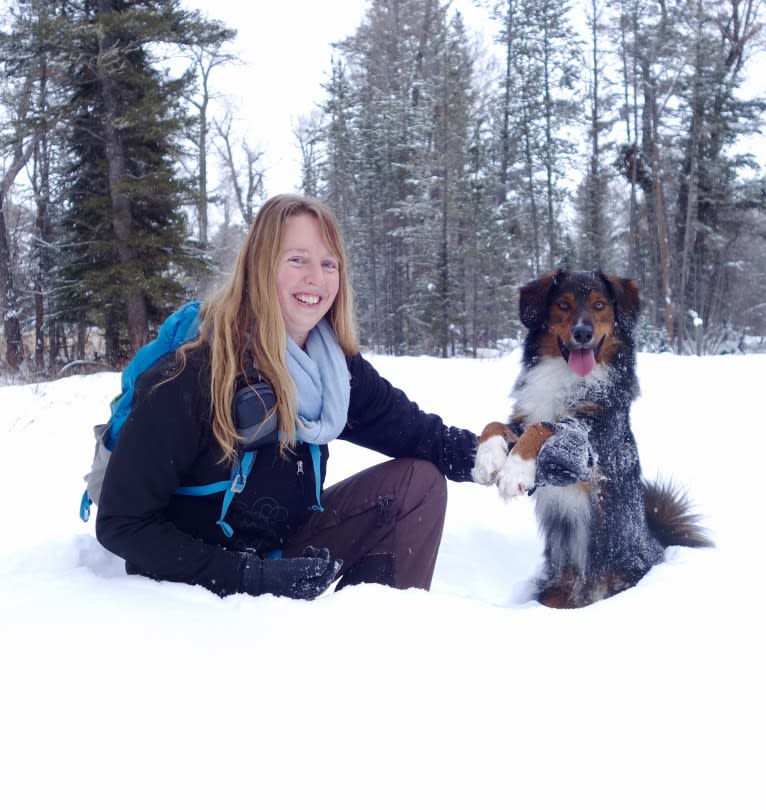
566	457
297	577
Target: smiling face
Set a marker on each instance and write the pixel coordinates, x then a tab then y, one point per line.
307	276
583	318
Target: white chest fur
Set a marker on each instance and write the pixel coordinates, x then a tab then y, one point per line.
565	512
549	391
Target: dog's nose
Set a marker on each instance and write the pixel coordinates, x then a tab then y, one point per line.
583	332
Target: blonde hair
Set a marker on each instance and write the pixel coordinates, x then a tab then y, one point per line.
242	322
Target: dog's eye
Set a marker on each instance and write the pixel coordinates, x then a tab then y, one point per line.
564	306
599	305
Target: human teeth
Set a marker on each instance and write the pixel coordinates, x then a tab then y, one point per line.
308	299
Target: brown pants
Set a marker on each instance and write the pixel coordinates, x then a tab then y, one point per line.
385	523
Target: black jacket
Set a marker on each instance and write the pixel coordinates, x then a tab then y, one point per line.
168	442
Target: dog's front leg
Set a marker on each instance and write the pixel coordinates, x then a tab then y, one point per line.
518	473
494	442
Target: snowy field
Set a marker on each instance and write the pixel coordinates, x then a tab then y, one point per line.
121	692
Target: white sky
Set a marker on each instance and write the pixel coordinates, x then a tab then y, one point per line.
286	48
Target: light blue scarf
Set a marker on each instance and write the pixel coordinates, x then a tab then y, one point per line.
321	380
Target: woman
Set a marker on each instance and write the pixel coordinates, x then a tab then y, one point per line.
285	316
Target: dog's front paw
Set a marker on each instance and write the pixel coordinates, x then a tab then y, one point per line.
490	458
517	476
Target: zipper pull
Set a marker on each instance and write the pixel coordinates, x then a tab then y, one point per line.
300	467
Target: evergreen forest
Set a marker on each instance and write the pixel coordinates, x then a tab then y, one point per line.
597	134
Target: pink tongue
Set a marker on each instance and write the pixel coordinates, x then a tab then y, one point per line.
582	361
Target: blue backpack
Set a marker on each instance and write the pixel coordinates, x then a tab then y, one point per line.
180	327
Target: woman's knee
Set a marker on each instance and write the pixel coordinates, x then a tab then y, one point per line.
427	473
425	482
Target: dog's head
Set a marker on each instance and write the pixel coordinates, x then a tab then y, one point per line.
584	318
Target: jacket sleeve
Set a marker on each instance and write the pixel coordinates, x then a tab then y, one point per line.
158	443
382	418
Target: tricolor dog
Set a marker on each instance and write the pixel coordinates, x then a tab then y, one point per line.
606	528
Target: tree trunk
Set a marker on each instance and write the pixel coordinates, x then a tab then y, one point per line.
202	199
549	149
505	135
656	200
122	217
14	347
44	251
534	218
138	318
661	235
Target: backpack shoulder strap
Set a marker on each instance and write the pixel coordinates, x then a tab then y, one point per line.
316	464
177	328
232	487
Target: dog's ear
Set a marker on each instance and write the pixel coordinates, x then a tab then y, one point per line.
533	300
627	300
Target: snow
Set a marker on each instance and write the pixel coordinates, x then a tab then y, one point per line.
119	691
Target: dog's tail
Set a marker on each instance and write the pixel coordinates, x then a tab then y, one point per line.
670	517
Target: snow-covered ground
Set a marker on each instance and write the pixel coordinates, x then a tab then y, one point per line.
120	692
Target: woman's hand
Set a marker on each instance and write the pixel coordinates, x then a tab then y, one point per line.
303	577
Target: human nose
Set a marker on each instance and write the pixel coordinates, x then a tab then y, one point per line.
312	271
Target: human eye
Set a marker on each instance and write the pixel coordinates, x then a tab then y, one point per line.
330	265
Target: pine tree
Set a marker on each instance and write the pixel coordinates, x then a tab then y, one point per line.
389	58
447	189
124	202
397	160
594	199
720	40
28	49
683	70
538	110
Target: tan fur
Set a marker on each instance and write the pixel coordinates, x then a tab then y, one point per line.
569	591
531	440
498	429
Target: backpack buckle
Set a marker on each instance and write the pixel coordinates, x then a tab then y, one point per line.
238	483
